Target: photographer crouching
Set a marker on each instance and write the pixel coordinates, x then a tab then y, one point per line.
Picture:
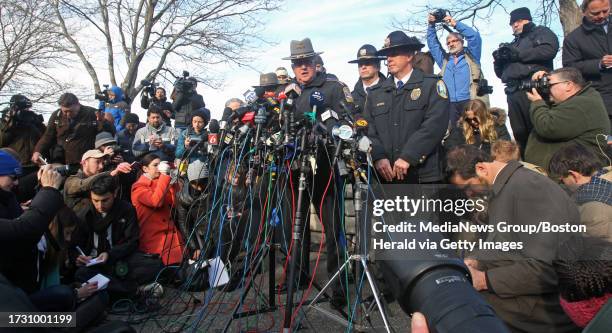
185	100
533	49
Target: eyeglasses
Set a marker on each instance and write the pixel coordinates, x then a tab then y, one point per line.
553	83
302	62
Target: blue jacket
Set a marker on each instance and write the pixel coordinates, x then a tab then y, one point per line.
456	76
117	107
180	146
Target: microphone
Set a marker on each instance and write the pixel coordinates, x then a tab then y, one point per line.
213	132
227	114
348	115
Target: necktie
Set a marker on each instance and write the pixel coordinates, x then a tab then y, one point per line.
400	84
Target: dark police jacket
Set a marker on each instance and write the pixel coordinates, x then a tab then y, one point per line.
583	49
359	94
410	123
333	91
537	47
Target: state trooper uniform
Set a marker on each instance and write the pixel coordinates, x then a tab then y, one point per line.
409	122
366	52
334	92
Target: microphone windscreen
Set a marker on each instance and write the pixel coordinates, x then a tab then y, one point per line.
213	126
317	99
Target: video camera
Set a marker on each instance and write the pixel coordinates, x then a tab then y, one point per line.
185	83
13	114
439	14
504	53
149	87
102	95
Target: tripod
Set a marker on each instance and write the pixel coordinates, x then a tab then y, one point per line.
361	260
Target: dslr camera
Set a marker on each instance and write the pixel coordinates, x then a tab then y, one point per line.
102	95
149	87
184	84
542	85
439	15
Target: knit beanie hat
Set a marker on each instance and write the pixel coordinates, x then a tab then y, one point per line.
197	170
522	13
9	165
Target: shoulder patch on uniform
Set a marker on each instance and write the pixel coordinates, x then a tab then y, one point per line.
441	89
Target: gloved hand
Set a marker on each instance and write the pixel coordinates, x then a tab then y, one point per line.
164	167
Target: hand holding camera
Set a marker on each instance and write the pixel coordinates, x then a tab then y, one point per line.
506	53
48	177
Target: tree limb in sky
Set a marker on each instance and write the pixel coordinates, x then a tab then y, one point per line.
147	36
29	50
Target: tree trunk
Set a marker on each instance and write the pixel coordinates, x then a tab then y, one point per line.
569	15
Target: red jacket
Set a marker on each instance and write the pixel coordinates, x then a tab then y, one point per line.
153	200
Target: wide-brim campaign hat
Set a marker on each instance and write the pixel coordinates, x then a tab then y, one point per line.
367	52
301	49
268	80
398	40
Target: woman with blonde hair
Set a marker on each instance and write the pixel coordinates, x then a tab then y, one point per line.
479	127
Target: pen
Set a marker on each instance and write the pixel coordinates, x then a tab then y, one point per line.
80	251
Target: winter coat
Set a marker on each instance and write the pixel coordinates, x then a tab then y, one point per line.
409	123
153	200
76	136
125	141
124	232
76	191
583	49
456	137
578	119
597	215
116	107
359	94
21	134
168	134
522	285
537	46
180	146
19	236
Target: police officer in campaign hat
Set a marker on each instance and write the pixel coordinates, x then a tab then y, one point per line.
268	83
408	117
368	65
307	81
533	49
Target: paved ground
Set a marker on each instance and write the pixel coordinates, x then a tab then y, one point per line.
185	312
180	311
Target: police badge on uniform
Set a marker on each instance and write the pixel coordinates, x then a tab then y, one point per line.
441	89
415	94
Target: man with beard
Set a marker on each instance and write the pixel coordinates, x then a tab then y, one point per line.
460	66
368	64
155	136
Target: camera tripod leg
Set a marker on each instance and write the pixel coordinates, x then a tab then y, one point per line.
376	294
